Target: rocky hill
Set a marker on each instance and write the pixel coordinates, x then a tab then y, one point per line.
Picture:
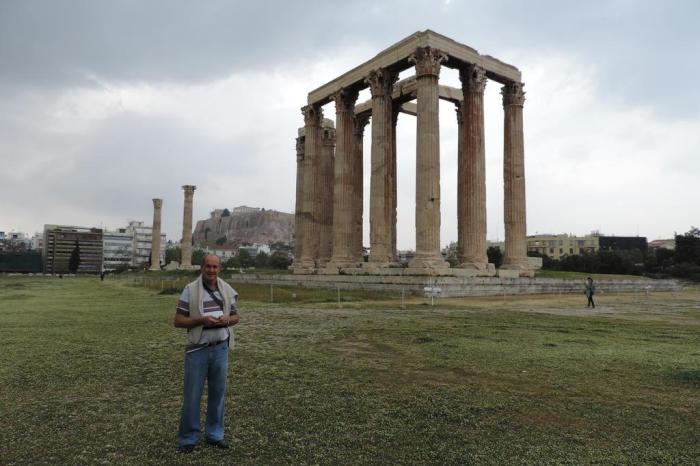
244	225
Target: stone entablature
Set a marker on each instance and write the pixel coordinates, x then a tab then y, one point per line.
329	207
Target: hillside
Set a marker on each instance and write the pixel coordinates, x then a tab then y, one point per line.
244	225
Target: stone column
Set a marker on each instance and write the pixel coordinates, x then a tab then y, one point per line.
515	257
155	236
310	226
394	181
299	195
359	124
325	194
471	172
344	180
380	217
428	256
186	244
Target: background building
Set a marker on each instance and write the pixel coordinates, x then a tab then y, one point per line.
141	243
63	241
118	249
16	241
622	243
557	246
663	244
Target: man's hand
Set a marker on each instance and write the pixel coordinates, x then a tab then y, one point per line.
209	321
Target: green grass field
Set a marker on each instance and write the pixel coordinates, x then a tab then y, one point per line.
92	374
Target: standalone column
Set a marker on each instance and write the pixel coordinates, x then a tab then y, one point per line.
344	181
428	255
155	235
186	244
359	124
471	169
514	178
299	194
325	194
310	205
380	217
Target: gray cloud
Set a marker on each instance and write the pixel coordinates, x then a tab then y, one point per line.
67	163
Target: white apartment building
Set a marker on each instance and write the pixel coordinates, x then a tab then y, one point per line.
118	249
141	243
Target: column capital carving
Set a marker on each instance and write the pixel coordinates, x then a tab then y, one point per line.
513	94
189	189
157	203
360	123
313	115
345	100
381	82
473	78
427	60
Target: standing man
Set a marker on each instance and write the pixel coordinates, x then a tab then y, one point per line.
589	292
207	307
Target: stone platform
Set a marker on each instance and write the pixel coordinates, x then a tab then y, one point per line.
456	286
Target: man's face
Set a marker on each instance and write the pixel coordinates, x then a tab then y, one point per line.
210	268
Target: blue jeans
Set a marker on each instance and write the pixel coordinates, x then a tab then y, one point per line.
211	364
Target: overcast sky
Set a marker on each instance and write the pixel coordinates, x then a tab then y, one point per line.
105	105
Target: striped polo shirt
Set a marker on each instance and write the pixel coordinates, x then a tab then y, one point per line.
209	308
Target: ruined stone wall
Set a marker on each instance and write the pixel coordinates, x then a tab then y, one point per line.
459	286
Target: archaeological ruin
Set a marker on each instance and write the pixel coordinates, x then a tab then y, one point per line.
155	237
186	243
329	194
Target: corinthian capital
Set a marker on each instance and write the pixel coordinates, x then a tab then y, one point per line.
345	100
381	82
427	60
473	78
513	94
157	203
189	189
360	121
312	115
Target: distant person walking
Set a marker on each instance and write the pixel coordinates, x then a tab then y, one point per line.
590	291
207	307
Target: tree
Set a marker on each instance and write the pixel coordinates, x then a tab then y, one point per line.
172	254
688	247
226	213
261	259
495	255
232	263
279	260
198	256
244	259
74	261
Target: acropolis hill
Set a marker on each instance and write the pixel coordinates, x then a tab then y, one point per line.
244	225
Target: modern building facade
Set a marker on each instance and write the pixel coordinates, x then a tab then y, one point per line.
63	242
558	246
118	247
141	243
622	243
